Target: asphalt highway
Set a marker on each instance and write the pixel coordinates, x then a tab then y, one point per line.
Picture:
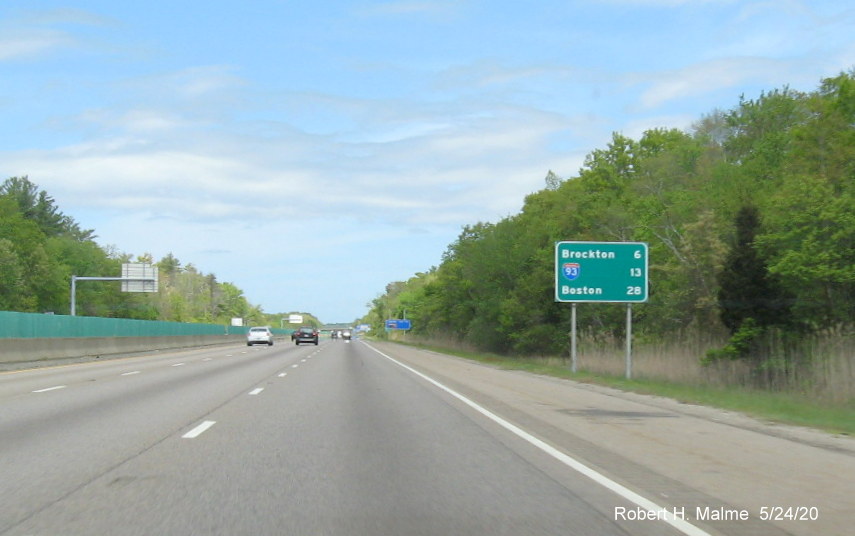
340	438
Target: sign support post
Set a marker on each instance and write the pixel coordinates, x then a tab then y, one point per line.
573	337
628	341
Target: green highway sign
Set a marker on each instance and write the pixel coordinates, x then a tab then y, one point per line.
601	272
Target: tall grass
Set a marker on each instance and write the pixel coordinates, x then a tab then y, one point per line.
807	380
819	367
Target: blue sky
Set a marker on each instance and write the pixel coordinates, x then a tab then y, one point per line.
313	152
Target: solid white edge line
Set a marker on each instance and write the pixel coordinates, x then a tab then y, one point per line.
54	388
668	517
196	432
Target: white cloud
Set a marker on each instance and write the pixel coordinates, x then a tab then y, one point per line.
140	120
31	35
27	45
65	16
432	8
188	84
705	77
636	129
662	3
461	166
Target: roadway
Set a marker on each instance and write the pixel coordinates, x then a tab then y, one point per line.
356	438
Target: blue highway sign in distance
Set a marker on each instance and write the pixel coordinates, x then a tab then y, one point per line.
398	324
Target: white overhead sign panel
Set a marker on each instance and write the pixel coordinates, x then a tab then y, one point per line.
139	277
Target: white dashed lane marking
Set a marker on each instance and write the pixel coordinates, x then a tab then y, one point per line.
204	426
54	388
199	430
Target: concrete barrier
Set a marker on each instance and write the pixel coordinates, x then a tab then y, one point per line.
43	351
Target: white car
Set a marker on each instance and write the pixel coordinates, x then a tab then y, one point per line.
260	335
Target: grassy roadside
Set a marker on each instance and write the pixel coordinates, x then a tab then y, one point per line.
783	408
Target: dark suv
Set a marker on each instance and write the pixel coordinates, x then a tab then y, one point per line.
306	334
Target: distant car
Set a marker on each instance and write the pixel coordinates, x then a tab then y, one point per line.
346	335
305	334
259	335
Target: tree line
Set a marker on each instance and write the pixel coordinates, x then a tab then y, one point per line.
749	216
41	248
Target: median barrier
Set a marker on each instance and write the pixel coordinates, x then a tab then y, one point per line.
33	350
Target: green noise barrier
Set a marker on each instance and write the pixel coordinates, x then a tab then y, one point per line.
38	326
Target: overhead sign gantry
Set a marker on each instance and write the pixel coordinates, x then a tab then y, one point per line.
136	277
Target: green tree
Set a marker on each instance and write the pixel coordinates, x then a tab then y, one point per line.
12	282
824	143
762	133
24	251
747	289
814	241
788	155
39	207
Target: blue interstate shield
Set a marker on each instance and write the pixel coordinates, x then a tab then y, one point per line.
571	270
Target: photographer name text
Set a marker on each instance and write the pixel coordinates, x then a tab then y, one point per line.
721	513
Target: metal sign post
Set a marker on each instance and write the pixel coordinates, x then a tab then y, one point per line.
573	337
628	341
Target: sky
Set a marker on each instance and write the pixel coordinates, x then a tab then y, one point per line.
311	153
